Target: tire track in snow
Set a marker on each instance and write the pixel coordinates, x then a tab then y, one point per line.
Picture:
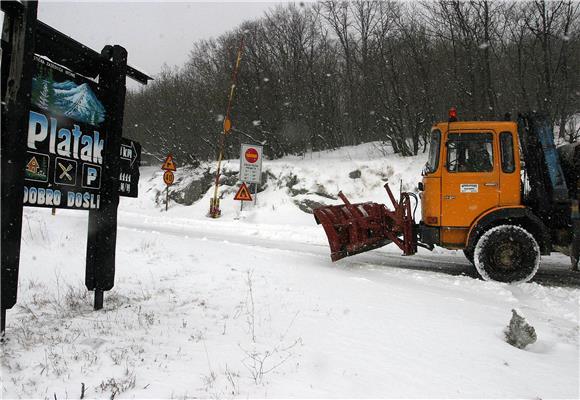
551	273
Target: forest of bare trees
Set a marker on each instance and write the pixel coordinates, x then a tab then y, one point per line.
329	74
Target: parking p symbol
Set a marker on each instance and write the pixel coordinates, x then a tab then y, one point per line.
91	176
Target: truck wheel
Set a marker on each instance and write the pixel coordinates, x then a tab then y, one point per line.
507	253
470	270
468	254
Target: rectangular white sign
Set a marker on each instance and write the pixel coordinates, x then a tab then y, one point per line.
251	163
469	188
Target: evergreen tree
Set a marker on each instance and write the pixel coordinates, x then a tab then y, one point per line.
36	88
50	96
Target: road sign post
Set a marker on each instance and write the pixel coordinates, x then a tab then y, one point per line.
169	167
251	163
243	194
251	167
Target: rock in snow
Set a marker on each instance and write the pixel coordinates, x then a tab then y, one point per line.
355	174
519	333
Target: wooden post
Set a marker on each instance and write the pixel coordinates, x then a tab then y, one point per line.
2	323
102	236
99	296
166	198
17	62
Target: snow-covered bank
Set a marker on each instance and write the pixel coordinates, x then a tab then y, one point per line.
250	305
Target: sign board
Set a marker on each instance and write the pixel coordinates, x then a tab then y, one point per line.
243	193
129	173
251	163
469	188
66	138
169	164
61	134
168	177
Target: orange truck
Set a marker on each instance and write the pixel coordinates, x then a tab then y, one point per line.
498	190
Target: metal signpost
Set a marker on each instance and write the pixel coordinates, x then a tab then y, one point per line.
61	140
251	166
169	167
251	163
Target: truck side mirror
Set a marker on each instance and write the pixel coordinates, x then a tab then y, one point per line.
420	186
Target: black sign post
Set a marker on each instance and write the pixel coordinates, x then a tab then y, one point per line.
102	237
62	144
17	62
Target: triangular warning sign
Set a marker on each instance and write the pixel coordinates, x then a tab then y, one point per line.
32	165
169	165
243	193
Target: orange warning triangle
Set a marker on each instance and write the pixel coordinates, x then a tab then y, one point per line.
243	193
169	165
32	165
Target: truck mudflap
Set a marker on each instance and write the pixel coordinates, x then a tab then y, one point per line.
355	228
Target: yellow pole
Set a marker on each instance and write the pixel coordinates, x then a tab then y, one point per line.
214	207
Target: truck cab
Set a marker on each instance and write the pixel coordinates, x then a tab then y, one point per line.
477	196
473	168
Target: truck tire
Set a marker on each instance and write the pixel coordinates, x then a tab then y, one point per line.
468	253
470	270
507	253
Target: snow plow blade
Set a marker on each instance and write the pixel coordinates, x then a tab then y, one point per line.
355	228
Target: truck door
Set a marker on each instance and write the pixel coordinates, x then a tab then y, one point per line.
470	179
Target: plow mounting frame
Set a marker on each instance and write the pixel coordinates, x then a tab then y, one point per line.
355	228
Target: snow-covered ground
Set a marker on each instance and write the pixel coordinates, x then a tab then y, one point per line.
250	305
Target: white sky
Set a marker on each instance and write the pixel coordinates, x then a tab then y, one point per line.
153	33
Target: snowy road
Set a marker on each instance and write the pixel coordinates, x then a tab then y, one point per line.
554	270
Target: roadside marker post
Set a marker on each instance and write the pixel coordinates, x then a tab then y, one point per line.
168	178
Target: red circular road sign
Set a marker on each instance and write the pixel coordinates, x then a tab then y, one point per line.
168	177
251	155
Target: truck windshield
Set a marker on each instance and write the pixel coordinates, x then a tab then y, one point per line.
433	160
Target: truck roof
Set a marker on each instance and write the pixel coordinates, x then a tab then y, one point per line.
476	125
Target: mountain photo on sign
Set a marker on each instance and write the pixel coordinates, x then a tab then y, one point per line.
67	98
